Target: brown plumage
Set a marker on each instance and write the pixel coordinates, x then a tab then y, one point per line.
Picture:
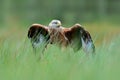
73	35
38	34
58	37
76	36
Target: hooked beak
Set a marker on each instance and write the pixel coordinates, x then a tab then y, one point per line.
58	24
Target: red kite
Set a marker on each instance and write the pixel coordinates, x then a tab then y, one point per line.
76	36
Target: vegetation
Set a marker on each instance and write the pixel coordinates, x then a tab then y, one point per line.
99	17
18	61
70	12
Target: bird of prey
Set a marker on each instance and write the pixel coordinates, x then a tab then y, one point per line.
76	36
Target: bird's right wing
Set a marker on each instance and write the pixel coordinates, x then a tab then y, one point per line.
38	34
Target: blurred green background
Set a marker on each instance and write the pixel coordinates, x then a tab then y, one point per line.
68	11
100	17
18	61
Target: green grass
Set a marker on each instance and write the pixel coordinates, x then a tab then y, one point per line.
18	62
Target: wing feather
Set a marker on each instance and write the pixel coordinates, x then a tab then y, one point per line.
73	35
78	37
38	34
87	42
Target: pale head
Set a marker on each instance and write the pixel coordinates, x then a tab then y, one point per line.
55	24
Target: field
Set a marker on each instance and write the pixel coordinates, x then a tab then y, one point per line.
18	61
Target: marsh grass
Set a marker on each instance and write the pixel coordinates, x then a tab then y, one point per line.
19	62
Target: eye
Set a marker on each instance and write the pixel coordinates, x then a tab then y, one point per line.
54	22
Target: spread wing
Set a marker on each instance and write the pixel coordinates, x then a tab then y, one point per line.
73	34
38	34
77	38
87	42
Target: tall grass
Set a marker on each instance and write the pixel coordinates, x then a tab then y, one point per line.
18	62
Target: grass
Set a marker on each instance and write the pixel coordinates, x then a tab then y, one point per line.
18	61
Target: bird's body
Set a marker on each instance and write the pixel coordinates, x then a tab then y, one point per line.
57	37
75	36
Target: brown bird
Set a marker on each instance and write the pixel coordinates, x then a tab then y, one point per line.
76	36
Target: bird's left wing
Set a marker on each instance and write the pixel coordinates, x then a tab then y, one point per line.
77	38
73	35
87	42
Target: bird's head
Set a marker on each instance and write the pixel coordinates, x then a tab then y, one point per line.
55	24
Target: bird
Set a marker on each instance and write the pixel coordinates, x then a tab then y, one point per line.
76	36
